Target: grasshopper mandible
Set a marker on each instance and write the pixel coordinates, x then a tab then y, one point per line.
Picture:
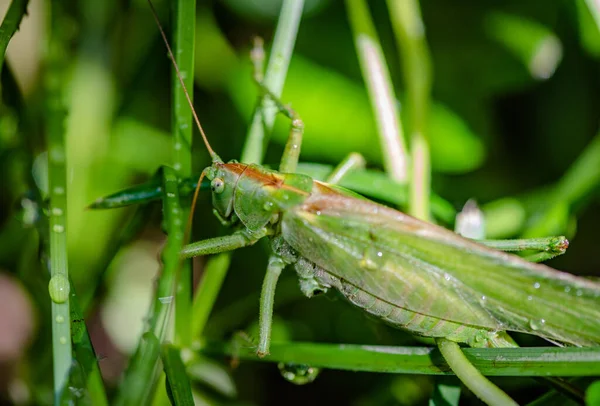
411	274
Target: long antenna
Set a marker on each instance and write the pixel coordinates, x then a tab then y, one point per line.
213	154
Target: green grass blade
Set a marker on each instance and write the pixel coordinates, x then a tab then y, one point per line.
59	286
184	27
206	295
381	92
139	380
178	383
410	37
85	355
144	365
538	361
15	13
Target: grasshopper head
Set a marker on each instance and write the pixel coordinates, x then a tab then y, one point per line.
223	180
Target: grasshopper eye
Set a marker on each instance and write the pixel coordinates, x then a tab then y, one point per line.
217	185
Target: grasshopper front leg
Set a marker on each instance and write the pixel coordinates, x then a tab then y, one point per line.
239	239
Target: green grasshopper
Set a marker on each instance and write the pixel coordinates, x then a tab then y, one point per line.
411	274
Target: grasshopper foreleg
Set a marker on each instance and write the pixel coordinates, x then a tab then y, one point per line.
239	239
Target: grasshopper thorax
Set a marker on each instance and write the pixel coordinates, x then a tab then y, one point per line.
253	194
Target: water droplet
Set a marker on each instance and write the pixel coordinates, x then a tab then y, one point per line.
379	254
318	212
567	289
483	298
170	194
536	285
447	276
177	166
59	190
63	340
268	206
298	374
56	211
529	297
60	319
579	292
536	324
177	146
58	289
165	299
58	228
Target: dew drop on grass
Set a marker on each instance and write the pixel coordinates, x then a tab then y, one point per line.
58	289
537	324
536	285
60	319
58	228
56	211
268	206
298	374
63	340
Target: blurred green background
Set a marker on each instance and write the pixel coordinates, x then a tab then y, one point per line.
516	101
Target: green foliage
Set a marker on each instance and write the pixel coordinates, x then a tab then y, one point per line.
513	122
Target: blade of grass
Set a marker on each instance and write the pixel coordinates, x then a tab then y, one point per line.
410	36
143	369
206	295
85	354
57	182
533	361
184	28
179	388
139	382
380	89
10	24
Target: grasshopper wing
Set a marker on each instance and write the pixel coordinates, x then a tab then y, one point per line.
432	271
